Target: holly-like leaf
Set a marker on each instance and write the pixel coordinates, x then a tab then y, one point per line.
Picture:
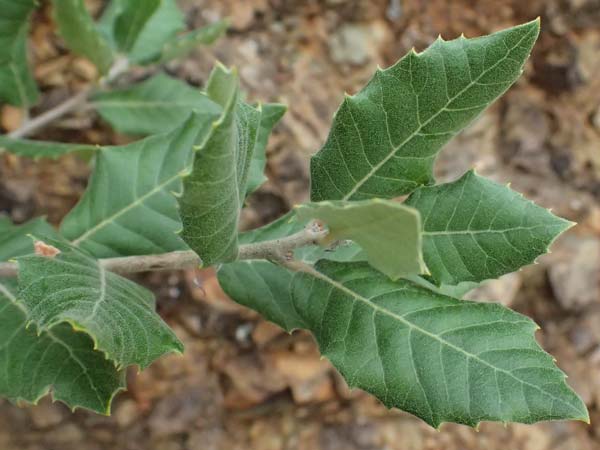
132	20
271	114
17	85
439	358
153	106
388	232
43	149
58	360
79	31
215	188
475	229
128	207
116	313
384	139
180	46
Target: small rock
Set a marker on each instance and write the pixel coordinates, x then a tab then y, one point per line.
355	44
11	117
503	290
575	277
126	413
46	414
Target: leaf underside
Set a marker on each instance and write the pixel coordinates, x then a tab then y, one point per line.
43	149
475	229
384	140
387	231
118	314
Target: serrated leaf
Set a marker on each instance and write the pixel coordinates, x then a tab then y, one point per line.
153	106
116	313
475	229
215	189
180	46
384	140
162	26
58	360
128	207
439	358
388	232
17	85
271	115
79	31
131	21
42	149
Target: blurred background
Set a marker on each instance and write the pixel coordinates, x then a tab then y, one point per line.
243	383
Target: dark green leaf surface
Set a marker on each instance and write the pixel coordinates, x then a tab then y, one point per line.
17	85
128	207
118	314
132	20
59	360
180	46
42	149
153	106
475	229
388	232
215	188
439	358
384	139
79	31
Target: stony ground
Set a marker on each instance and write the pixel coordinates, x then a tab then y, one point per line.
242	383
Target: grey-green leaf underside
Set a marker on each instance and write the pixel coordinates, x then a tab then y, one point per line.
384	139
128	207
180	46
388	231
131	21
441	359
475	229
17	85
58	360
116	313
153	106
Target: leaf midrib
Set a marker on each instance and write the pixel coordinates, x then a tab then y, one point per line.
138	201
422	125
412	326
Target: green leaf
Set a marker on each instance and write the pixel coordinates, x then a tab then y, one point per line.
59	360
160	28
132	20
439	358
271	115
215	189
158	104
475	229
79	31
128	207
388	232
384	139
180	46
15	240
17	85
42	149
116	313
